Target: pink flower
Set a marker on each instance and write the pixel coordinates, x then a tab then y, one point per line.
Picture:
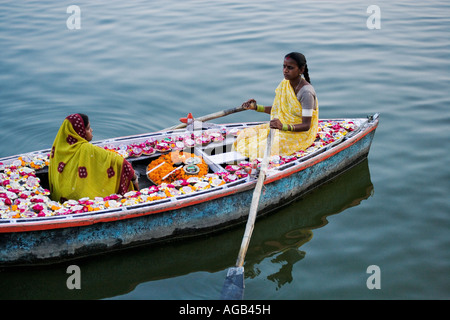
111	197
336	127
37	207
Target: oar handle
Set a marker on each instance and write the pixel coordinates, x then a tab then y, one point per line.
220	114
255	201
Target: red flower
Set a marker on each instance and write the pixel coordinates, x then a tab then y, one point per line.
110	172
61	166
71	140
82	172
111	197
37	207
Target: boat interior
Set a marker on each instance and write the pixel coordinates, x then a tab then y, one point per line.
217	154
221	160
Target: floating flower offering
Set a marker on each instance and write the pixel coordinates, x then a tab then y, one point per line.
168	144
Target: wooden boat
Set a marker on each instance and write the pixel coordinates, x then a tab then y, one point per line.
37	232
282	235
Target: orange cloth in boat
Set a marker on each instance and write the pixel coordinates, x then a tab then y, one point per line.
78	169
251	142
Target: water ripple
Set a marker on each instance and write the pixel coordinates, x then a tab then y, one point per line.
140	65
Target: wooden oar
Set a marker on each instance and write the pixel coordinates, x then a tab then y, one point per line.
208	117
233	287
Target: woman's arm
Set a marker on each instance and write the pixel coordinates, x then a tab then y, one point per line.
304	126
251	105
135	181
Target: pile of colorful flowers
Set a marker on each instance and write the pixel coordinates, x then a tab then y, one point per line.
175	143
21	195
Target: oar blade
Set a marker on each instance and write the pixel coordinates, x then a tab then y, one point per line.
233	287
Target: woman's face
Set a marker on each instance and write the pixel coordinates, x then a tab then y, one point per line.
291	70
89	134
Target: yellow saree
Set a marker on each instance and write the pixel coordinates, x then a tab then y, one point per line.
251	142
78	169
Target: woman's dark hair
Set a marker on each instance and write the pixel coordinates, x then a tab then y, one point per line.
301	61
85	119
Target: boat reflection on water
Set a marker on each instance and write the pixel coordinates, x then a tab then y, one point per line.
282	235
278	236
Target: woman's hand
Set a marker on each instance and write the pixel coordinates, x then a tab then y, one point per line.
249	104
135	182
276	124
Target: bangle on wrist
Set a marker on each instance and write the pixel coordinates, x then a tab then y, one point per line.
288	127
260	108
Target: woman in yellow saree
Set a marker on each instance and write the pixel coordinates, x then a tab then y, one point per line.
78	169
295	113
